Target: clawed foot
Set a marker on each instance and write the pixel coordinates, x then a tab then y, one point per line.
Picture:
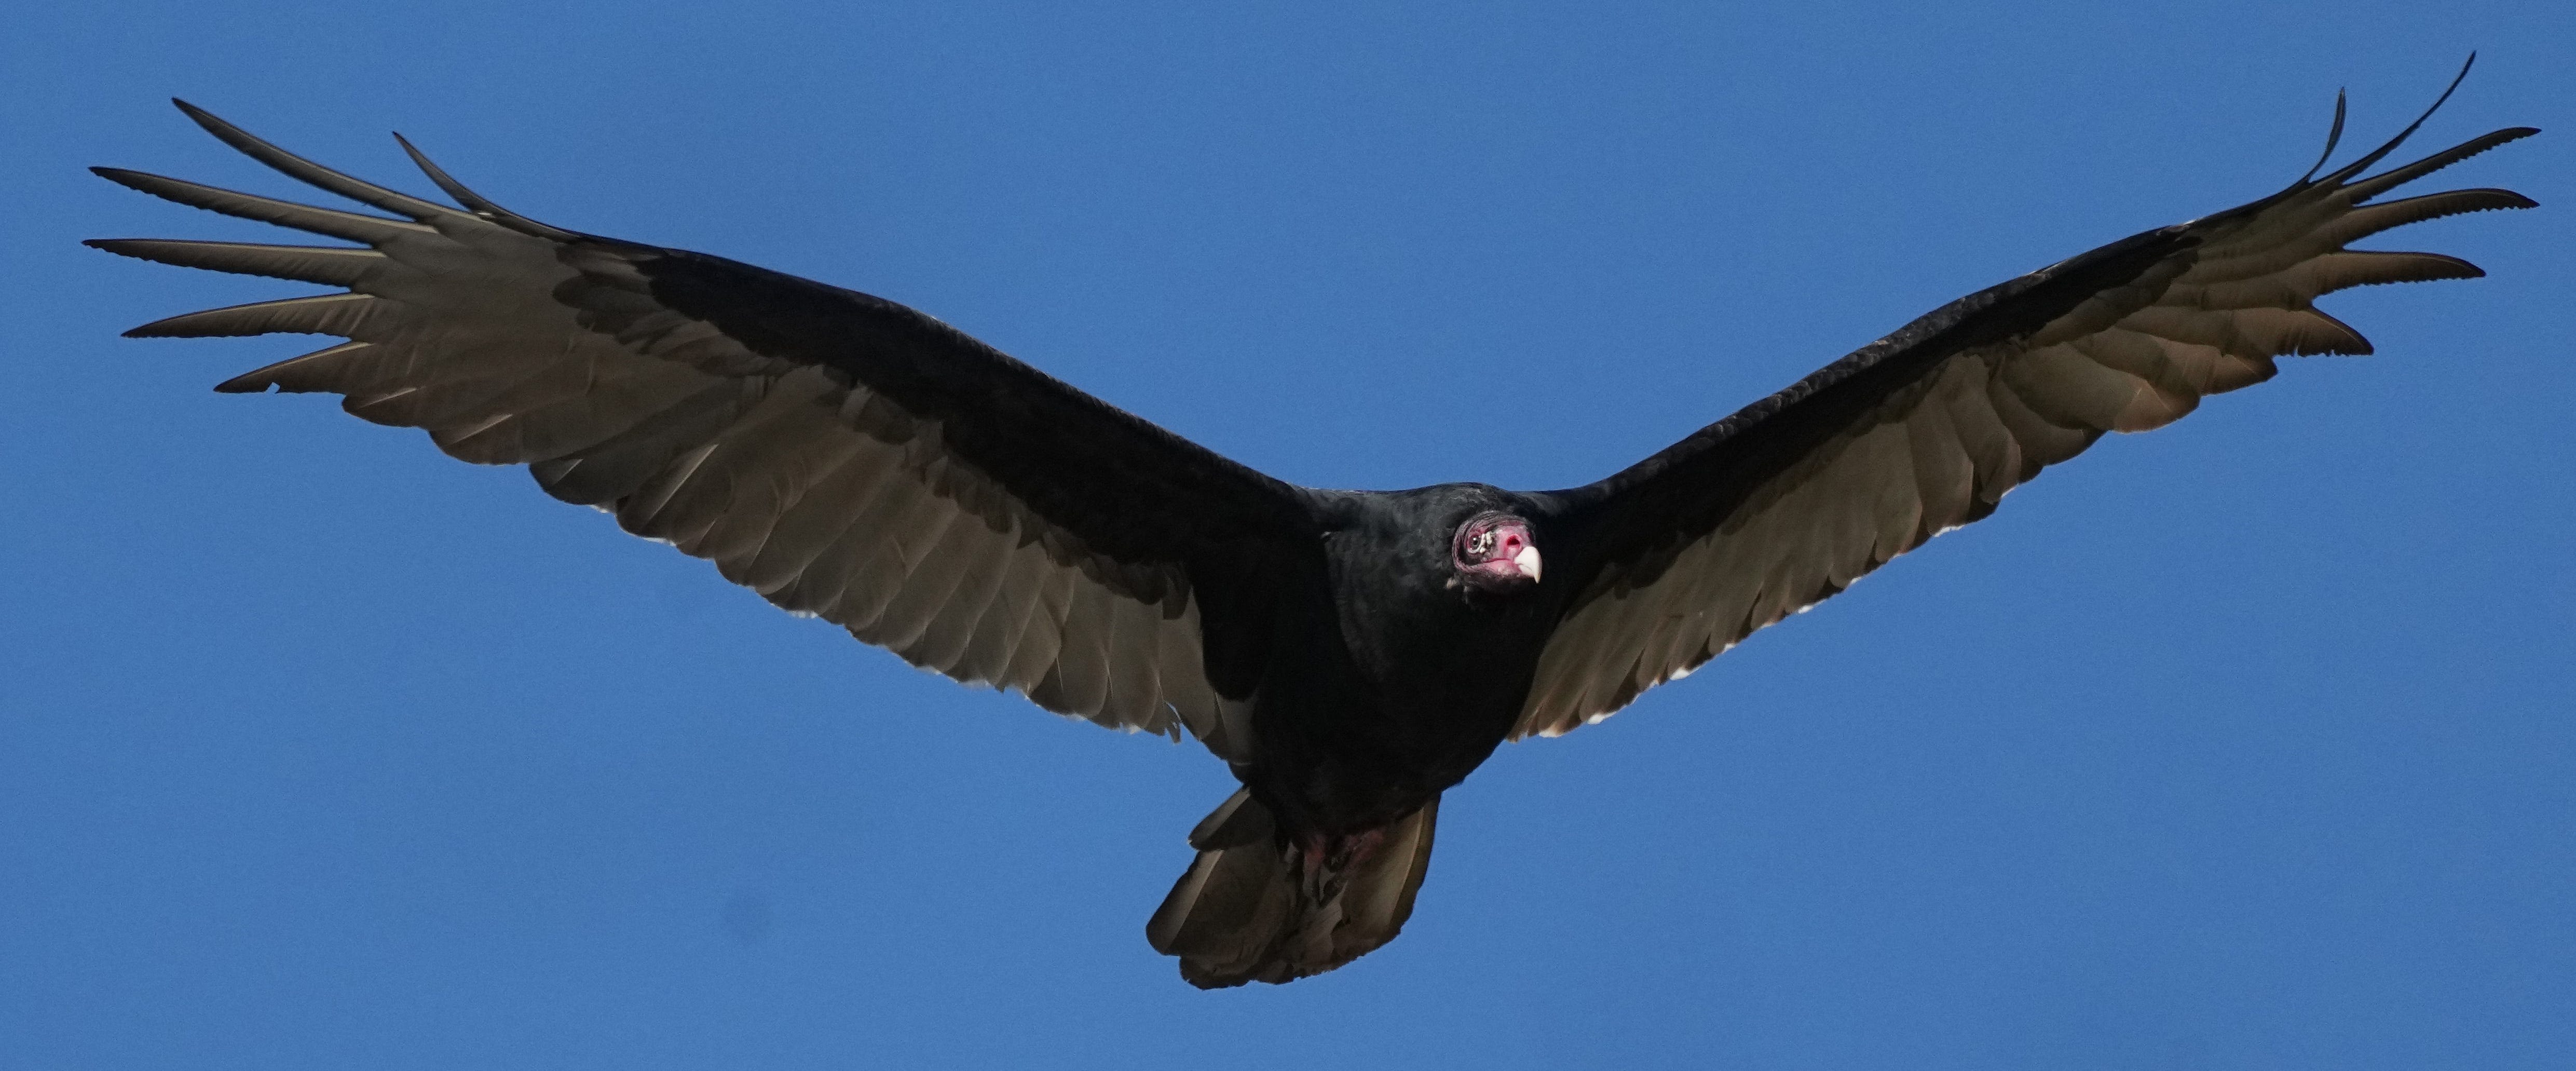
1322	859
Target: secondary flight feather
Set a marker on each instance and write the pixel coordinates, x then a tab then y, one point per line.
1350	655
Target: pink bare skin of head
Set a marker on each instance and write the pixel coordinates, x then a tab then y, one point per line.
1495	551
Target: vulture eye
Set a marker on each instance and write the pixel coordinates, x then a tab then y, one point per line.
1481	545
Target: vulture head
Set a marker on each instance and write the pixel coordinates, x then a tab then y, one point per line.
1495	552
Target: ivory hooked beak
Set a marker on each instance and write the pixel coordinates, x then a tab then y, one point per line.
1527	562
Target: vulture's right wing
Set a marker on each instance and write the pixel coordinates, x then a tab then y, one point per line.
843	455
1787	502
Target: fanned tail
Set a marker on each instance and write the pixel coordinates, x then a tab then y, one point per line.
1257	906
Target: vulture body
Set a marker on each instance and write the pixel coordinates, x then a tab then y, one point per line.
1349	654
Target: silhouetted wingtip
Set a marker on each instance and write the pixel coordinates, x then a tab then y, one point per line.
123	247
214	124
2334	137
244	384
472	201
2375	155
475	202
123	176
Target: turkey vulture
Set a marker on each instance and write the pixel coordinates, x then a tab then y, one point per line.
1349	654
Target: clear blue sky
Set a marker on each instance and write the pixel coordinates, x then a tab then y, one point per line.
2246	743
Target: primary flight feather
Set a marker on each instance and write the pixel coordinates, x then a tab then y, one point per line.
1349	654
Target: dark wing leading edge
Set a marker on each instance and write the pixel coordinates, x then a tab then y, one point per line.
1788	501
843	455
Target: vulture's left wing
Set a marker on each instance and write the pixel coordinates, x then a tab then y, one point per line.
841	454
1788	501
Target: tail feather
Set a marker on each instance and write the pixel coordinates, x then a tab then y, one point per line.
1259	907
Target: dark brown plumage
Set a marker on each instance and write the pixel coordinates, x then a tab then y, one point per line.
1349	654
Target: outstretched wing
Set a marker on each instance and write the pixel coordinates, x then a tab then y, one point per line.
1788	501
841	454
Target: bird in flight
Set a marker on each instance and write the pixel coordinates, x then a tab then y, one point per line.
1349	654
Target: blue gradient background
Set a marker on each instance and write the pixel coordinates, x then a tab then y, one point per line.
2247	743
